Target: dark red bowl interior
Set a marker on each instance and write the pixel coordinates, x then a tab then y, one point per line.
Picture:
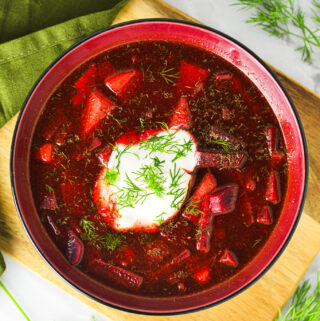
231	51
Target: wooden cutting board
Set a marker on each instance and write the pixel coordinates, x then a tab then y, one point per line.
262	300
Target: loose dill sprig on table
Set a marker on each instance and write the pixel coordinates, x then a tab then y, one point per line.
305	305
282	18
169	75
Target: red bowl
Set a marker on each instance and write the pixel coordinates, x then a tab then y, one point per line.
232	51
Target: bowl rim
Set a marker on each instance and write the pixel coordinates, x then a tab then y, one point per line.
300	129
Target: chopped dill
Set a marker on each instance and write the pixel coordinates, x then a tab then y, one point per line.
109	241
256	242
49	188
201	230
227	146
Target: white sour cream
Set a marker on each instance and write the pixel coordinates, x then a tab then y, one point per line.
139	203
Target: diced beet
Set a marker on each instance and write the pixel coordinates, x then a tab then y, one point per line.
265	216
224	160
221	135
223	76
105	69
49	201
228	258
247	212
224	199
124	84
181	287
117	274
181	257
273	191
174	264
205	228
53	123
250	185
181	117
104	155
95	143
54	226
203	275
134	137
272	136
62	132
44	153
75	248
207	185
277	158
84	85
191	78
74	196
97	107
125	256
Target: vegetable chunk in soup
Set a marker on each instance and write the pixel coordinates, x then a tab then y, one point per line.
158	168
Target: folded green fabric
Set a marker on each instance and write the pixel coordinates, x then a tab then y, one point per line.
23	60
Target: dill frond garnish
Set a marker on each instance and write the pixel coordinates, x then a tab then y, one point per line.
285	18
169	75
109	241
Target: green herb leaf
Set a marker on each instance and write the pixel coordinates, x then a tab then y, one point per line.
109	241
169	75
282	18
111	176
305	304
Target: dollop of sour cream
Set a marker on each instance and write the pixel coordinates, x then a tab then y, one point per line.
149	180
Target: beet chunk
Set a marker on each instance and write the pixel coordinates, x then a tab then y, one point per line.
224	160
97	107
265	216
181	117
203	275
224	199
191	79
207	185
273	192
228	258
114	273
205	227
124	84
75	248
49	201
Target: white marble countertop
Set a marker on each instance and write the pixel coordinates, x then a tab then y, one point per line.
43	301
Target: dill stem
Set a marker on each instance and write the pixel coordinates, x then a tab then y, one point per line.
13	300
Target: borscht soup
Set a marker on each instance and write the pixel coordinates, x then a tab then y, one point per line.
158	168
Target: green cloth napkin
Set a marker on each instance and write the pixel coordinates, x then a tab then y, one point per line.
23	59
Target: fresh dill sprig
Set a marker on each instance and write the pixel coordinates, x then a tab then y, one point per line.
174	189
201	230
169	75
144	70
109	241
160	218
111	176
227	146
192	207
305	305
49	188
285	18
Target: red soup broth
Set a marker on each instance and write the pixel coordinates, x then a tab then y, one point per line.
138	98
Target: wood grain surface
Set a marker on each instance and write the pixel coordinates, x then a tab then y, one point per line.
259	302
